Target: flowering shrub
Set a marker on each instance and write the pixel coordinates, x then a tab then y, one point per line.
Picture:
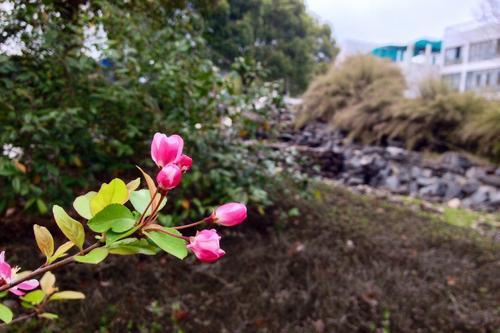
119	230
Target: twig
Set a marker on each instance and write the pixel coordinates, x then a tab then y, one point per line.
20	318
47	268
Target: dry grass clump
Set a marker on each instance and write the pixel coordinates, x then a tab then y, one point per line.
361	84
433	120
364	96
481	131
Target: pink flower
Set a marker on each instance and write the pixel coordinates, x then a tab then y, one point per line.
169	177
166	149
8	274
184	162
205	245
230	214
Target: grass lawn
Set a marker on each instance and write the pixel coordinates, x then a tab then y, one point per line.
347	263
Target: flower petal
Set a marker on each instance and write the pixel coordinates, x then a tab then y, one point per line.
5	270
29	284
16	291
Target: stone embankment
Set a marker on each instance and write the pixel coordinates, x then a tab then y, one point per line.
452	178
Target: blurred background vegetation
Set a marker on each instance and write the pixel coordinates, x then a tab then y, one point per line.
89	83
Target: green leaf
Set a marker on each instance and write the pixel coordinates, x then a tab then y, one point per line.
112	237
67	295
115	192
44	240
93	257
70	227
130	246
48	315
82	205
116	217
133	185
174	246
3	294
5	314
42	207
140	200
61	251
35	297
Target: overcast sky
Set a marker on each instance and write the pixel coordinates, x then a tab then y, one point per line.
392	21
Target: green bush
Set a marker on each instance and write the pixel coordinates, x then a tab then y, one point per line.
79	121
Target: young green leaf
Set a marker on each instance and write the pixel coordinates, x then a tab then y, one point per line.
61	251
44	240
133	185
115	192
93	257
130	246
151	186
82	205
47	283
48	315
70	227
112	237
116	217
35	297
42	207
140	200
5	314
67	295
174	246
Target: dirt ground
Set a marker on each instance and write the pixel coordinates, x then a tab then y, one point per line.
347	264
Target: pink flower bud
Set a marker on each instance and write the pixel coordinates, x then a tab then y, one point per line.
166	149
169	177
205	245
184	162
230	214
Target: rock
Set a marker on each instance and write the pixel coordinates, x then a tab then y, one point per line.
455	162
454	203
475	173
453	190
426	172
396	153
495	199
470	187
425	181
492	180
482	195
392	183
354	181
437	189
415	172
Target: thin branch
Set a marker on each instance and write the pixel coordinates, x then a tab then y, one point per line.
50	267
206	219
19	319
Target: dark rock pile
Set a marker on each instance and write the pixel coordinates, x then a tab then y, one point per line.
452	178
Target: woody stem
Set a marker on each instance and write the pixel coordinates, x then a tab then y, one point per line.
50	267
206	219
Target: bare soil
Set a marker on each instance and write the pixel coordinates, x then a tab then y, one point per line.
348	263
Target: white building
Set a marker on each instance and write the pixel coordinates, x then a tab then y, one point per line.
471	58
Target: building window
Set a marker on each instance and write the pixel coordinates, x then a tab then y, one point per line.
484	50
452	80
483	80
453	55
